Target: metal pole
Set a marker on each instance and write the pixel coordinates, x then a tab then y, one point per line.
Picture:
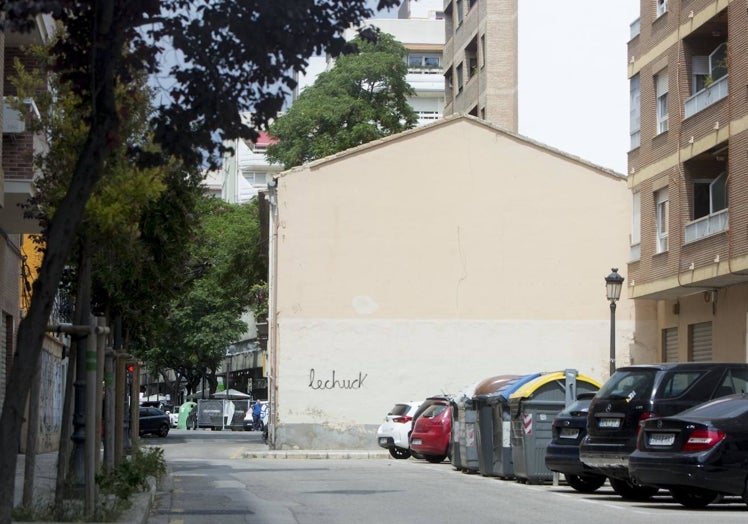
90	417
612	337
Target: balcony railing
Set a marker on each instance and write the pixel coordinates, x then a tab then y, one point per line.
706	226
706	97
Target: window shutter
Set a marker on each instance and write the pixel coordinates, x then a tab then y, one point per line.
661	84
701	342
670	344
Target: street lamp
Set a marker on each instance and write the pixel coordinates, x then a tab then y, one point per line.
613	285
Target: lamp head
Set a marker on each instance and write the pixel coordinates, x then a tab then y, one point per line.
613	285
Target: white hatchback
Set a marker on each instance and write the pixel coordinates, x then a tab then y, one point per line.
394	432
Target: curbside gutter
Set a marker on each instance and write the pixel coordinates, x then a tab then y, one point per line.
317	454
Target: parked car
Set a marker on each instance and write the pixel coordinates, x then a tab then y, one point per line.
153	421
429	401
174	416
249	421
699	454
562	453
394	432
637	393
431	433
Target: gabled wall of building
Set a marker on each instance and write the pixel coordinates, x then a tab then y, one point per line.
431	260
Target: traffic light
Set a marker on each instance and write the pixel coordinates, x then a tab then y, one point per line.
131	368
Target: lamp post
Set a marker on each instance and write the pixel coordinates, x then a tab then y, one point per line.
613	285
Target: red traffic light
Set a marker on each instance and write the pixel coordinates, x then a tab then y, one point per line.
131	368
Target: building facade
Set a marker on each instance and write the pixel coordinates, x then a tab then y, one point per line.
429	260
18	255
688	174
480	60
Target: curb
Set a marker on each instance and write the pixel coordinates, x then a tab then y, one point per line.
141	505
316	454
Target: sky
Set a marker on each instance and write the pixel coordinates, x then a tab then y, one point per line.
573	87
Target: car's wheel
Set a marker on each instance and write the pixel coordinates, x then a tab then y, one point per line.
417	455
694	498
630	491
399	453
435	459
163	430
585	483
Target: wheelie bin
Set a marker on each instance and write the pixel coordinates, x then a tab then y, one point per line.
494	428
533	408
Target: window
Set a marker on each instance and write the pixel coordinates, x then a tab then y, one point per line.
635	112
483	50
424	61
662	206
670	344
707	69
459	78
636	225
459	7
661	7
709	196
661	89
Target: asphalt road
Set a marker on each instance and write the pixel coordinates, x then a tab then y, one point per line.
211	482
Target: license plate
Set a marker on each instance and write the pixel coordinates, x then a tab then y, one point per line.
609	423
383	440
416	441
660	439
571	433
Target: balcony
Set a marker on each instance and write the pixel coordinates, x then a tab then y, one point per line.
706	97
707	226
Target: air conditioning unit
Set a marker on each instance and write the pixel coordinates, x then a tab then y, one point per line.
14	121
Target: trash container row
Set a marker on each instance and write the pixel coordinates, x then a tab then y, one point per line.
502	425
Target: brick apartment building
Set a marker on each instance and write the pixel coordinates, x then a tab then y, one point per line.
688	173
480	60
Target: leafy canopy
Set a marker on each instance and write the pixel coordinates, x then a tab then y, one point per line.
362	98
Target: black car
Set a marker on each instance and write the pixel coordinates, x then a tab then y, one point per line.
636	393
699	455
154	421
562	453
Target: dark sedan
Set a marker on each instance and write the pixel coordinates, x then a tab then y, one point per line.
154	421
562	453
700	454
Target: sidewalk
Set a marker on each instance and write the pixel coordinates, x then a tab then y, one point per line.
45	474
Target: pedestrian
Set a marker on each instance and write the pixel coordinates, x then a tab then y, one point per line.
256	413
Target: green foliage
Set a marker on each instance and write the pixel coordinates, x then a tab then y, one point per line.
115	490
131	476
362	98
227	262
259	300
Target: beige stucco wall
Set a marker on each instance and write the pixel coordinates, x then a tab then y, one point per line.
432	260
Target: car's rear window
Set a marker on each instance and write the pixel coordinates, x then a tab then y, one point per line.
578	408
399	409
721	408
434	410
629	384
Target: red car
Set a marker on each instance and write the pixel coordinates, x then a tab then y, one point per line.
430	437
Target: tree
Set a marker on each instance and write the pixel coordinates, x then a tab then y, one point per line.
235	57
204	320
362	98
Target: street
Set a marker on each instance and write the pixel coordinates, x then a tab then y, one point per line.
209	479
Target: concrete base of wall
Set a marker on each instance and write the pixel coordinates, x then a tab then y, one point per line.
325	436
